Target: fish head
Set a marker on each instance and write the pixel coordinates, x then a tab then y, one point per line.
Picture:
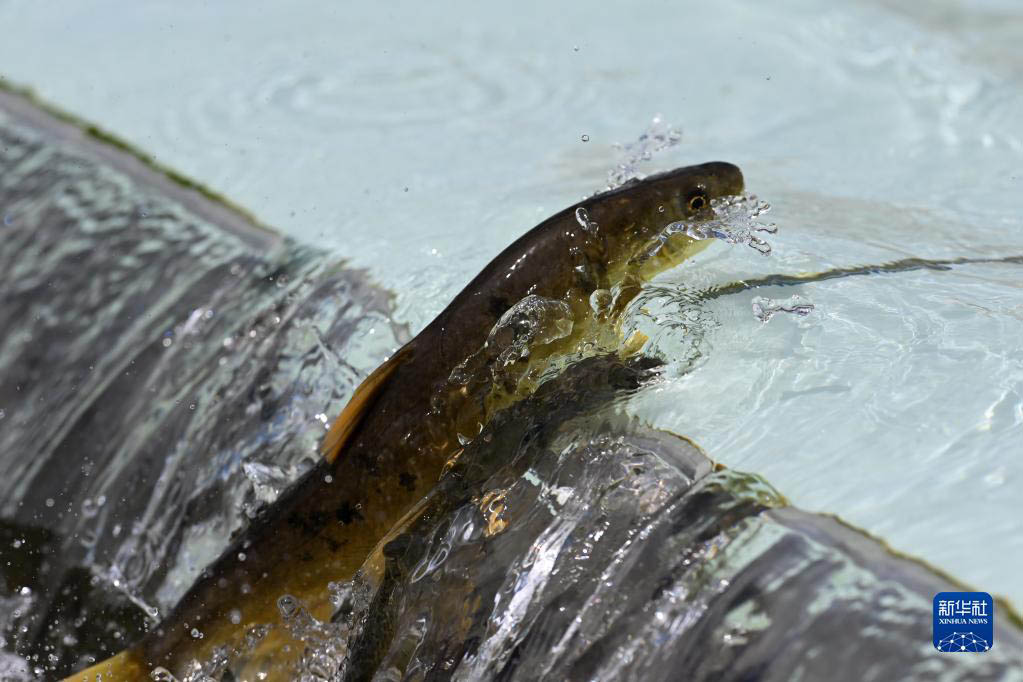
632	215
685	193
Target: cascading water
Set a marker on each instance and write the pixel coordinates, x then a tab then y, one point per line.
167	379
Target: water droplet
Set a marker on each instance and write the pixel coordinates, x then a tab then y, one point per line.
196	634
49	501
657	137
162	675
242	556
235	616
765	308
328	479
583	218
600	299
253	635
735	221
167	342
91	506
339	593
585	138
288	606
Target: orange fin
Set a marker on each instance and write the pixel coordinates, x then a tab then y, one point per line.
342	428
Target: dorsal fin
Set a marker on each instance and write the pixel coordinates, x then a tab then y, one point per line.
342	428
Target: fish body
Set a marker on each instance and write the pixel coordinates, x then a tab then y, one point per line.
531	304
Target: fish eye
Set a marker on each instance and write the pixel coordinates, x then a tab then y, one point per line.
697	202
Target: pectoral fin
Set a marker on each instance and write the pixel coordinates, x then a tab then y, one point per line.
343	427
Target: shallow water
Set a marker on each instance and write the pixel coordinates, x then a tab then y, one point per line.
876	134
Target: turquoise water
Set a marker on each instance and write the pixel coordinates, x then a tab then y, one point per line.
416	142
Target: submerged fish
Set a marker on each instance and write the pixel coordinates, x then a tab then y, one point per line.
553	296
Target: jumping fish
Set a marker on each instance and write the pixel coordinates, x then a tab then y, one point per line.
553	296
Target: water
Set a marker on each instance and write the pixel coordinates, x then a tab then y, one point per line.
578	541
877	133
165	380
572	543
736	220
766	308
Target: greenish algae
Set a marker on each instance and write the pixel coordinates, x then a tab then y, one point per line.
1008	609
98	134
